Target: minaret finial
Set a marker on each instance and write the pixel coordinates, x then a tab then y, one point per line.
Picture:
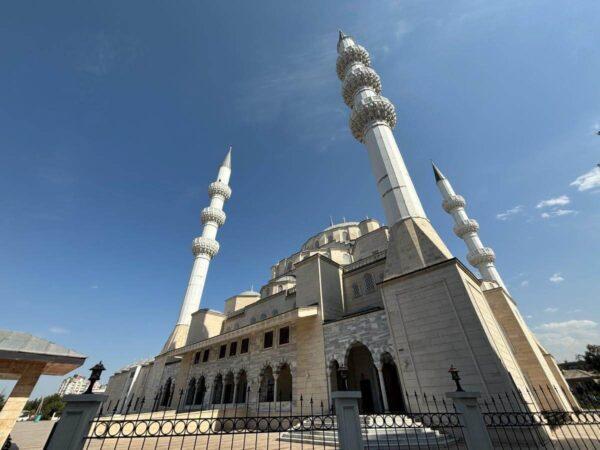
439	176
227	160
342	35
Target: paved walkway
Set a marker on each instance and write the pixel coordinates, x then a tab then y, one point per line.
30	435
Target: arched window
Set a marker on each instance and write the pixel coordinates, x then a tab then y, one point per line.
274	312
191	392
317	244
228	388
284	384
217	389
267	385
242	387
355	290
200	391
344	236
253	320
167	392
263	316
369	283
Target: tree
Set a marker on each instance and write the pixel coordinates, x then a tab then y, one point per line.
52	404
32	405
592	357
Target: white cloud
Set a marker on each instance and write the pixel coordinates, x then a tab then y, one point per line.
557	213
557	201
551	309
509	212
569	338
588	180
524	283
94	286
529	316
556	278
58	330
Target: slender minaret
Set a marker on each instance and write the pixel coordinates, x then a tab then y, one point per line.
479	256
373	116
371	122
204	248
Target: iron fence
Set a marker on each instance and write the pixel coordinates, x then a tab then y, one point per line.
432	423
538	418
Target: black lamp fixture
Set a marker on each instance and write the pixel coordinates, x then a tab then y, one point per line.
95	376
456	378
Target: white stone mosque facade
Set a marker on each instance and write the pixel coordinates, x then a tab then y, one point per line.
382	309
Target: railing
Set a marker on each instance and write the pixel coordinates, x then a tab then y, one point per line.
365	261
308	425
541	418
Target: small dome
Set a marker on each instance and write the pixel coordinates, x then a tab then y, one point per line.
249	294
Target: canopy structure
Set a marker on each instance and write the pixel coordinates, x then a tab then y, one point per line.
25	358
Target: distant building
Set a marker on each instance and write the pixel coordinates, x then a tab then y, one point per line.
76	384
99	388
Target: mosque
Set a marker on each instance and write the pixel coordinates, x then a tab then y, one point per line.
380	309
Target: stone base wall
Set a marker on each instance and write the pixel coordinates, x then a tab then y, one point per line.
436	322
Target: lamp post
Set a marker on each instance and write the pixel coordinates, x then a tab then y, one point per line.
95	376
456	378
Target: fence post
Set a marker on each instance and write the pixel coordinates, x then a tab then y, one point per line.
348	419
74	423
474	429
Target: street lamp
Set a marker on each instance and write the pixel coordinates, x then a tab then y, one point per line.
95	376
454	374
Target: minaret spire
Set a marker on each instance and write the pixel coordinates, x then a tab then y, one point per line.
204	248
479	256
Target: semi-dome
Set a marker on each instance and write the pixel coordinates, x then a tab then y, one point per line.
249	293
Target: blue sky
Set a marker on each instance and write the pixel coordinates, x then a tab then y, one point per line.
115	115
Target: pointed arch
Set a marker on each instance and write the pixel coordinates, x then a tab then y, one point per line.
191	392
284	383
217	389
267	385
200	391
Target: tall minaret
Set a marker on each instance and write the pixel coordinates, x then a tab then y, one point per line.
479	256
204	248
371	121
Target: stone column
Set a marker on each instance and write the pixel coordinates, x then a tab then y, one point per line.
222	390
74	424
18	397
236	381
276	385
474	429
379	368
348	420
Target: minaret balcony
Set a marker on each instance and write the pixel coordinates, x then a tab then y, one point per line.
205	246
368	111
484	255
211	214
359	77
219	188
454	202
466	227
351	55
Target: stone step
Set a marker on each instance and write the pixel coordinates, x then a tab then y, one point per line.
400	432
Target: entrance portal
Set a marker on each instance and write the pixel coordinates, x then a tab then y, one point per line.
395	397
362	376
